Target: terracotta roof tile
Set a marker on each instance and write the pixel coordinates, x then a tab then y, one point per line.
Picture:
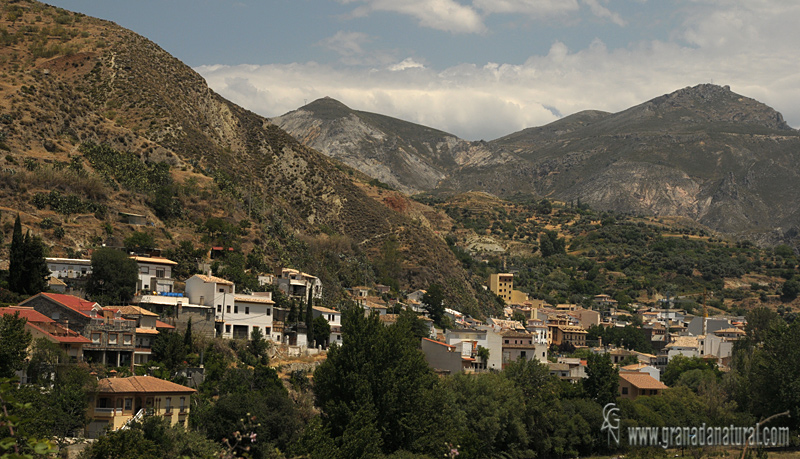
213	279
141	384
642	381
155	260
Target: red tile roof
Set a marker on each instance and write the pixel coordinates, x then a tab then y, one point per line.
73	302
67	337
440	343
146	384
160	324
29	313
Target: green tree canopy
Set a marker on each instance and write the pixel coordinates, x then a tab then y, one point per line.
602	379
322	331
377	386
28	271
139	241
113	278
433	302
14	342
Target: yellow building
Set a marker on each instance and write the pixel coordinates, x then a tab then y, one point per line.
502	285
119	400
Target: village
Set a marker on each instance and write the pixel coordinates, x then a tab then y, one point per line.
530	329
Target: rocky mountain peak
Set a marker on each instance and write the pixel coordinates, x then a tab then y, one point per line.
715	104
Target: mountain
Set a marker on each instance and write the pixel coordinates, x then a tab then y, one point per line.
406	156
703	152
96	120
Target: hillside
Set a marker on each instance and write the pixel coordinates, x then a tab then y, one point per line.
97	120
406	156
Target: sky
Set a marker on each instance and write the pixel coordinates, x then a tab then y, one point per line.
479	69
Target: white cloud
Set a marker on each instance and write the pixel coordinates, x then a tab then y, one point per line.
537	8
747	45
604	13
407	63
346	43
446	15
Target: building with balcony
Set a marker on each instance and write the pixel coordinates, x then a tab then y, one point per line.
120	400
297	284
111	336
249	312
155	274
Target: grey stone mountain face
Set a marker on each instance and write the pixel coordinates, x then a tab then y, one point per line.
706	153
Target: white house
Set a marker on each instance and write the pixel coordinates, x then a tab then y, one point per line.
155	273
297	284
216	292
334	319
68	268
249	312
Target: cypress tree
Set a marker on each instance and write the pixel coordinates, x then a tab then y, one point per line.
309	319
34	270
16	259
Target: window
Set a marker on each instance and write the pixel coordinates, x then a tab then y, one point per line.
183	404
112	338
228	309
267	331
96	338
222	290
126	339
128	404
236	309
523	354
119	403
144	270
247	309
624	391
227	328
160	272
219	308
168	406
269	311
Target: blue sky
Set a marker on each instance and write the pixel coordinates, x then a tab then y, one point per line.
477	68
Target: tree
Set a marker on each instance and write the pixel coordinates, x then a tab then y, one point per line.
378	383
258	346
790	290
27	270
602	379
551	244
187	336
169	348
14	342
681	364
433	302
139	242
16	259
113	278
35	269
309	317
322	331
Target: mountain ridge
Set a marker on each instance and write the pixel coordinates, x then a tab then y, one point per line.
702	152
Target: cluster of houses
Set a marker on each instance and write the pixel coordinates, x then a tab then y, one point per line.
123	335
491	345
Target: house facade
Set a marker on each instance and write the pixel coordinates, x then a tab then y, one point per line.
155	274
119	400
633	385
248	312
68	268
334	319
